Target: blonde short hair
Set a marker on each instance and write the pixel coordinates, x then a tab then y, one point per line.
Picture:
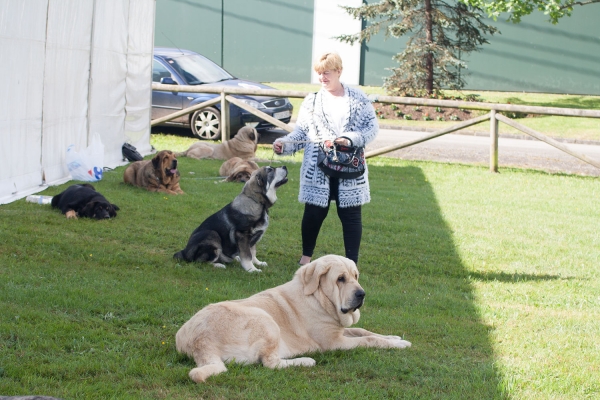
328	62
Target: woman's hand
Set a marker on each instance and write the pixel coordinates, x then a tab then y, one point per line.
342	141
277	147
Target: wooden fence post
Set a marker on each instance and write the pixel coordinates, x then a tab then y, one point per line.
225	129
493	142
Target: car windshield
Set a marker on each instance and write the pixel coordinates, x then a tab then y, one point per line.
197	70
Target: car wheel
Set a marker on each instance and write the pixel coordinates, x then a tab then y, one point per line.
206	123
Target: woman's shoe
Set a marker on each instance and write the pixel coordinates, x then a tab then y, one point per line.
300	263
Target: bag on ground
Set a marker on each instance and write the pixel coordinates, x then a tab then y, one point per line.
130	152
86	165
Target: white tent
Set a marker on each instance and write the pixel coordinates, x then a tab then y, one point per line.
70	69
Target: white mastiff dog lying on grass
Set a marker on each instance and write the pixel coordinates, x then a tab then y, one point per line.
310	313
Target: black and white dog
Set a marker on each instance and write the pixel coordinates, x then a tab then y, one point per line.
234	230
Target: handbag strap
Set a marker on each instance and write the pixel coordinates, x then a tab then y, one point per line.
326	120
350	140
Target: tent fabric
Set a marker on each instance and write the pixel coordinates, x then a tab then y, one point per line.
22	47
76	67
138	88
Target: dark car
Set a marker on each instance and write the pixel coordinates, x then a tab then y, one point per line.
184	67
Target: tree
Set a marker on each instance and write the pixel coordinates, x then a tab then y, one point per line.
440	33
555	9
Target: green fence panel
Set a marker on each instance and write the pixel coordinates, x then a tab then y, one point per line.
190	24
536	56
268	41
271	41
533	56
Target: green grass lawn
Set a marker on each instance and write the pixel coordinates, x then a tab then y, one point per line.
554	126
494	278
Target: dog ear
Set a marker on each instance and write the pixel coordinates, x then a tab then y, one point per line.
156	162
112	210
311	274
241	177
88	210
260	181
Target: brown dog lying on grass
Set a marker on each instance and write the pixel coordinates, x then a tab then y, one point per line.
312	312
237	170
157	175
242	145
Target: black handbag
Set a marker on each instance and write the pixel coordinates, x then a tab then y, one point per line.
339	161
131	153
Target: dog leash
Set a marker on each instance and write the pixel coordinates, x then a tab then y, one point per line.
294	142
299	141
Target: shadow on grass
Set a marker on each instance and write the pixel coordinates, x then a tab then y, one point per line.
514	278
408	245
172	130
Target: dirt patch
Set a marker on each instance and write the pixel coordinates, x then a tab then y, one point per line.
422	113
427	113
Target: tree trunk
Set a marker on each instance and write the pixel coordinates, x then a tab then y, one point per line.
429	41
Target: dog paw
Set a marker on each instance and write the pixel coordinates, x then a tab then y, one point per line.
71	214
261	263
253	270
392	337
305	362
238	259
400	344
219	265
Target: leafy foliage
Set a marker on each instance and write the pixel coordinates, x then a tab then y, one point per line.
441	33
554	9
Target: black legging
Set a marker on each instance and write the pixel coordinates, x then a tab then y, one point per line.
351	218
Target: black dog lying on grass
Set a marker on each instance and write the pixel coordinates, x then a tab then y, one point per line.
83	201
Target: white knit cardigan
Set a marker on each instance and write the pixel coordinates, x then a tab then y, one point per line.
312	125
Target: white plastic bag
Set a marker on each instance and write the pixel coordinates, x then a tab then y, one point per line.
88	164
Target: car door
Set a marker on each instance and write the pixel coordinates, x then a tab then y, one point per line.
165	103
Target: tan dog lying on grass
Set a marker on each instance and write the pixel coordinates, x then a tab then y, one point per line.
237	170
310	313
157	175
242	145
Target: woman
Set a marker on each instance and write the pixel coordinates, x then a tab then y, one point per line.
333	114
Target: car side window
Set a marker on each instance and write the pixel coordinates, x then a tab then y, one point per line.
159	71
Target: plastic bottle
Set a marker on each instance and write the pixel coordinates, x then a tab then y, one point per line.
39	199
